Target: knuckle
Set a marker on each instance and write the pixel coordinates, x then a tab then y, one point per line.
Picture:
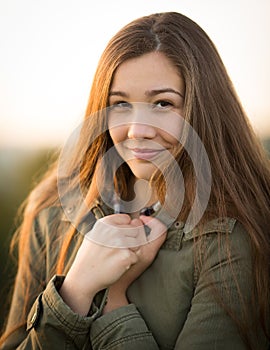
125	255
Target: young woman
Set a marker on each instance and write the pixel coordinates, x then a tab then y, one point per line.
164	130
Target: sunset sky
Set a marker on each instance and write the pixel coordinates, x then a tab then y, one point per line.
49	51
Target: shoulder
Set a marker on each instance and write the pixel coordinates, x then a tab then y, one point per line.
45	225
218	225
225	243
222	227
220	240
225	229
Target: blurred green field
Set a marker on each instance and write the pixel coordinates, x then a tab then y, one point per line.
19	171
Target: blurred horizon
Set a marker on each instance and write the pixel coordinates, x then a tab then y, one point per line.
50	50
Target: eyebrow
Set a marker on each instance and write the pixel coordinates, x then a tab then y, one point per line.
149	93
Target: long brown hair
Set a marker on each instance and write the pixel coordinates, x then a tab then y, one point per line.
239	166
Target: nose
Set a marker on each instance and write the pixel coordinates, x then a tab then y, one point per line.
139	128
139	131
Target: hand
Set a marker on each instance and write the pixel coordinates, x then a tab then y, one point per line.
97	266
145	253
145	256
118	231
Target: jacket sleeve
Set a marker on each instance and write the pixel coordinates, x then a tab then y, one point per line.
122	329
219	281
34	267
51	324
48	322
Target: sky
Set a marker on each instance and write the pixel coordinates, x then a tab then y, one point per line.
49	51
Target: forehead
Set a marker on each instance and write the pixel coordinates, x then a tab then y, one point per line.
150	70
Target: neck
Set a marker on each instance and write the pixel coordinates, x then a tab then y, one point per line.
143	196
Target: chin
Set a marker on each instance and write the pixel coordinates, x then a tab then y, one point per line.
143	170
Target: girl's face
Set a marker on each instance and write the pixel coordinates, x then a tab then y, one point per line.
146	100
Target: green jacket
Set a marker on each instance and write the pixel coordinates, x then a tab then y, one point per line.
173	304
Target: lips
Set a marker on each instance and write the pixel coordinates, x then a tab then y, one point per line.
145	153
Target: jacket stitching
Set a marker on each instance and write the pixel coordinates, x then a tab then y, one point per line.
70	326
114	324
128	339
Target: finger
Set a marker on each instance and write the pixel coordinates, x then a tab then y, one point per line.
117	219
130	230
123	242
136	222
136	230
133	257
143	230
132	243
135	249
154	228
152	222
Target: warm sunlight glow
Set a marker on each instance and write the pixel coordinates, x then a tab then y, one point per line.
50	49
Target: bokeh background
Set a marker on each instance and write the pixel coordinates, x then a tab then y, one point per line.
48	54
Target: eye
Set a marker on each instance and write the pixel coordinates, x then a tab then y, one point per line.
120	105
162	104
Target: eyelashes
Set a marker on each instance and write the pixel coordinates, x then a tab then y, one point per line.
159	104
120	104
163	104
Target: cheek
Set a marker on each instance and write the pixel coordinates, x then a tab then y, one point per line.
118	134
169	138
171	127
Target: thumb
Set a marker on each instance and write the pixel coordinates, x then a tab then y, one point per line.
157	228
152	222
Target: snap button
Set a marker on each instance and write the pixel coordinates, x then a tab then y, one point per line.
178	224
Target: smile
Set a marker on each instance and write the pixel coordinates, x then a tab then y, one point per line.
146	154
